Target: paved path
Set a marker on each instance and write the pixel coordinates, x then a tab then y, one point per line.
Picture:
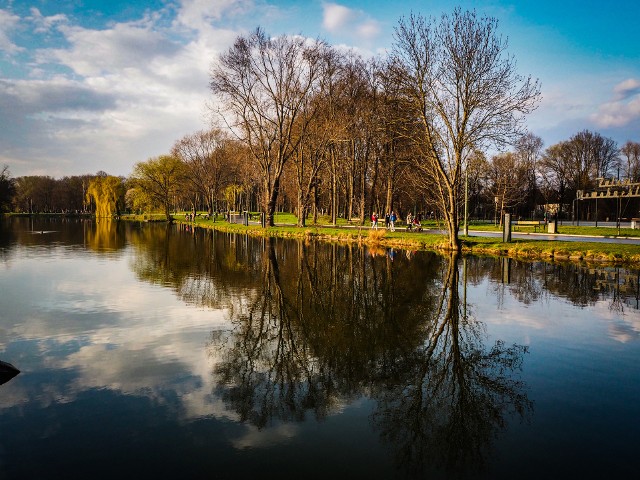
608	229
548	236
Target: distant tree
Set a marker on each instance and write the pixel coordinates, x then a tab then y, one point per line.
529	150
556	170
265	85
463	92
34	194
156	182
631	164
592	156
210	166
7	189
507	175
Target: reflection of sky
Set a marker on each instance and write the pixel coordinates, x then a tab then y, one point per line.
90	316
552	317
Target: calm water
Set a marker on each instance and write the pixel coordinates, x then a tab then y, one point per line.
150	351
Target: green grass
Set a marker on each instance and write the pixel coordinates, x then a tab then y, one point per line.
519	248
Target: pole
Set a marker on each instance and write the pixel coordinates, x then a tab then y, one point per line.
618	209
466	201
618	215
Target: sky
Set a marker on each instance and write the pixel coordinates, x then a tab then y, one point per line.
99	85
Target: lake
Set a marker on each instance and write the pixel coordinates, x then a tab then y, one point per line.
148	350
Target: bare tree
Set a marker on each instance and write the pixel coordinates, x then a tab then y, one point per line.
207	157
529	150
264	85
592	156
507	174
464	93
631	168
555	168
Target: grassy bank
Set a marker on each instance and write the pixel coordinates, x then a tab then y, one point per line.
351	232
589	252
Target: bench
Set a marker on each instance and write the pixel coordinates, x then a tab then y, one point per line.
536	224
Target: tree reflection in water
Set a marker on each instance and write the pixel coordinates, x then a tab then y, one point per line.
341	324
452	395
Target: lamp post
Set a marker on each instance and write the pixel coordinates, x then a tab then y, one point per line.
466	201
495	214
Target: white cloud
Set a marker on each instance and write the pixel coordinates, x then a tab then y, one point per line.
200	14
335	16
369	29
135	88
342	20
44	24
623	109
97	52
627	88
8	23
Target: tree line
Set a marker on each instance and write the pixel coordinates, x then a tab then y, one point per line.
306	127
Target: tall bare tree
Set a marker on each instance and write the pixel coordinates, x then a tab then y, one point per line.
592	156
631	166
556	170
507	175
463	91
529	150
264	85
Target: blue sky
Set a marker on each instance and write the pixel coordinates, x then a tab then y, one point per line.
89	85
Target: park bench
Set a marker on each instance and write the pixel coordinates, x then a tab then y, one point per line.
536	224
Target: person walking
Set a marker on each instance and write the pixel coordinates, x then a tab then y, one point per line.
374	221
392	221
386	220
409	221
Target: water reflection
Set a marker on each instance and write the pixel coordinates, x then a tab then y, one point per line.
106	235
262	337
343	324
450	396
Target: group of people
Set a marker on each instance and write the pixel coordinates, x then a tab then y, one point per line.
390	220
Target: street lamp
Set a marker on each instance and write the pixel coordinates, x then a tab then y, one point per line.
495	215
466	200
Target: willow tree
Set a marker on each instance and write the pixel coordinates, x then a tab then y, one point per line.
462	92
264	85
106	191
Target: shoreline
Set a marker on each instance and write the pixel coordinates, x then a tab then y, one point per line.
539	249
542	250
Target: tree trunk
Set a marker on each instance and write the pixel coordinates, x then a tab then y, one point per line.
270	198
450	212
363	186
334	188
389	199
